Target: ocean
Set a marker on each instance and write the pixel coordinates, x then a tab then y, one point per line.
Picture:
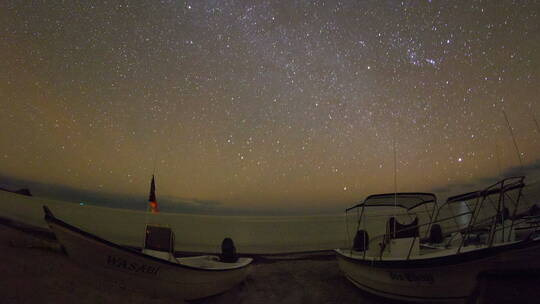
199	233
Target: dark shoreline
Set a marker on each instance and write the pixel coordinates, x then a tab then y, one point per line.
32	263
33	259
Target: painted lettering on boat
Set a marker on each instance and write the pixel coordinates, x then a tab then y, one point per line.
411	277
131	266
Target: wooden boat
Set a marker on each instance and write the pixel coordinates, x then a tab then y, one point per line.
155	269
444	267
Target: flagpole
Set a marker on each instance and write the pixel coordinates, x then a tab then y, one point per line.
152	201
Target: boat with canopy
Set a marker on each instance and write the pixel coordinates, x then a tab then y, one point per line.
440	260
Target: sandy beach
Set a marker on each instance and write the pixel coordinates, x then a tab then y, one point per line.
35	270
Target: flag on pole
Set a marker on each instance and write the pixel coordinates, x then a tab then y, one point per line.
152	202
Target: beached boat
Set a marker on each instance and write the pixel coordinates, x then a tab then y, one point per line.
468	236
154	269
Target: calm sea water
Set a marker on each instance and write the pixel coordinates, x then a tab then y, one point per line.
204	233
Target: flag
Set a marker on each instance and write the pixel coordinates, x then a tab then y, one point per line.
152	202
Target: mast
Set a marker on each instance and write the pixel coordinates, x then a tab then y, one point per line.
536	123
513	139
395	176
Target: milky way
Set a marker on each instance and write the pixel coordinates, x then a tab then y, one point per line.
287	104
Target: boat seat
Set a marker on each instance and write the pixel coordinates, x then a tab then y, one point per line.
534	210
159	242
361	241
503	215
396	230
228	251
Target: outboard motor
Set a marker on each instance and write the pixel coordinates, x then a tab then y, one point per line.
435	234
228	251
361	241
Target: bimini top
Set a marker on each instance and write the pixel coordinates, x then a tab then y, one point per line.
507	184
406	200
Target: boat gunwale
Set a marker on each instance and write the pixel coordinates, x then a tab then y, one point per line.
440	261
397	296
49	217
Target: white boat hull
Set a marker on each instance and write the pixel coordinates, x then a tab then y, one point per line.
142	272
451	278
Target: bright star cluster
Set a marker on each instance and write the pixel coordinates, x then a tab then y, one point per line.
274	104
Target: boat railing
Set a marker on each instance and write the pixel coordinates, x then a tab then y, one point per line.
382	239
500	222
466	236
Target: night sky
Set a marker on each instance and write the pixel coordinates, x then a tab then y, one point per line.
267	104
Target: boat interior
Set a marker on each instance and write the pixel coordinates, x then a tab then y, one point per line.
159	242
495	216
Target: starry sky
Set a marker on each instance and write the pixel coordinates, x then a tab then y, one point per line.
267	105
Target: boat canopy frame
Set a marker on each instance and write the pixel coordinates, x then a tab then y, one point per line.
495	196
405	200
500	190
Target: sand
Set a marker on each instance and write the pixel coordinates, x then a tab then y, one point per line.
34	270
